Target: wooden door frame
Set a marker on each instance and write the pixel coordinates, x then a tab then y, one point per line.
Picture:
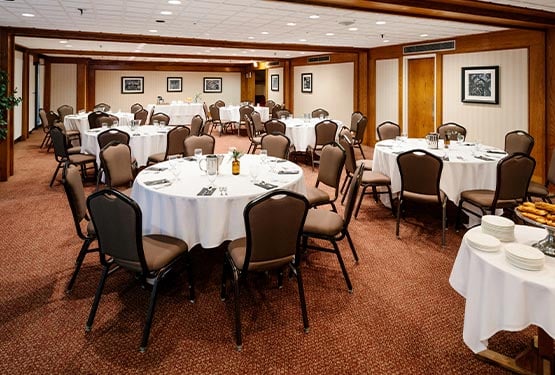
405	110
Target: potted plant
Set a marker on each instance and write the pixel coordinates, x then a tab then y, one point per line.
7	101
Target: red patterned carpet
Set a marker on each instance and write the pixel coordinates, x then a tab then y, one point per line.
403	317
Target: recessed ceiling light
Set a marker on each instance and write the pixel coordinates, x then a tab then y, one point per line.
314	17
250	37
251	50
353	28
330	34
174	2
386	40
244	51
152	31
138	50
302	53
69	45
264	33
380	22
291	24
302	40
27	14
63	41
423	35
166	13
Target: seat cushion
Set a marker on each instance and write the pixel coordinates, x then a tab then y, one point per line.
74	150
423	198
537	190
81	158
367	163
316	196
237	249
482	198
323	222
374	178
157	158
160	250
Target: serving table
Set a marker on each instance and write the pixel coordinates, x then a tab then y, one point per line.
80	121
500	296
174	207
180	113
301	131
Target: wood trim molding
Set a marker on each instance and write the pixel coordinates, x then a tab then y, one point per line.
46	92
25	95
163	66
81	100
550	93
6	146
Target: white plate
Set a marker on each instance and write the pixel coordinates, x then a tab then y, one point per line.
497	221
524	252
482	241
525	266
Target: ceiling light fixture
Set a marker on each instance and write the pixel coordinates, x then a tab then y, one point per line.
264	33
353	28
330	34
302	40
250	37
423	35
152	31
386	40
314	17
174	2
291	24
380	22
63	41
166	13
27	14
69	45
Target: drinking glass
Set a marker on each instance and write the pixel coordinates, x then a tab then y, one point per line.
115	123
155	123
254	172
104	124
460	138
162	123
198	153
263	156
174	165
212	174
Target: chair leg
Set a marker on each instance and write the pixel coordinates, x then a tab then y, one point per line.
223	293
459	212
297	272
360	200
390	199
55	174
443	222
361	152
97	296
78	263
238	338
191	278
149	315
355	255
398	217
342	265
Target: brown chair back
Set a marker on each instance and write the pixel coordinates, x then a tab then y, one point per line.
274	126
388	130
215	112
250	128
206	111
347	144
420	172
93	124
319	112
245	110
44	120
283	113
141	115
325	132
219	103
276	144
267	247
117	163
73	186
360	129
257	123
451	128
205	141
277	107
112	135
176	137
270	104
513	177
102	107
64	110
106	119
332	161
59	143
136	108
52	118
196	125
352	194
160	117
355	117
518	141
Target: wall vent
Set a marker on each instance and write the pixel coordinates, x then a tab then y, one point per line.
318	59
430	47
272	63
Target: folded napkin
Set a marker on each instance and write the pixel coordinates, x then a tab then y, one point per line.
485	158
157	182
496	152
206	191
157	169
265	185
289	171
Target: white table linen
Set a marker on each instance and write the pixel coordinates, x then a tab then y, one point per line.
145	141
500	296
230	113
302	133
80	121
176	210
180	113
461	172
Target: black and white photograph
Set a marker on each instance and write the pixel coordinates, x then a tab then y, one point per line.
174	84
306	82
480	85
132	85
274	82
212	85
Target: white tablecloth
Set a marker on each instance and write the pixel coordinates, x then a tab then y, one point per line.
176	210
180	113
500	296
230	113
302	133
461	172
145	140
81	121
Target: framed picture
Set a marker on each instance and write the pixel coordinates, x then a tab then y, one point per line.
174	84
480	84
132	85
212	84
306	82
274	82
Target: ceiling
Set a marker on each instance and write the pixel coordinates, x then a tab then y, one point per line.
261	25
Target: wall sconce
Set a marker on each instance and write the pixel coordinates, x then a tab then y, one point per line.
255	64
248	75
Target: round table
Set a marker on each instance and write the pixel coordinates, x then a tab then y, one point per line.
80	121
177	210
230	113
301	131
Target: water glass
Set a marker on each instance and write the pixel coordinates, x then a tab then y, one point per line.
198	153
115	123
162	123
263	156
155	123
104	125
254	171
174	165
460	138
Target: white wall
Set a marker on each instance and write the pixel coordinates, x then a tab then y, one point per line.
488	123
332	89
32	92
18	85
387	91
108	88
276	96
63	89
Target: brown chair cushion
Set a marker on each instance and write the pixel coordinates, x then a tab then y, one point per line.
367	163
238	249
74	150
160	250
157	158
323	222
483	198
424	198
374	178
81	158
537	189
316	196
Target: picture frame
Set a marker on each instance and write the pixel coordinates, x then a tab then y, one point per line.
480	84
306	82
212	85
132	85
274	82
174	84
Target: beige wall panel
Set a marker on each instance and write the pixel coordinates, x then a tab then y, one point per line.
32	92
488	123
64	85
387	90
332	89
276	96
41	83
18	84
108	88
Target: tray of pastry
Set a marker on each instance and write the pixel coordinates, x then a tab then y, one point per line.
541	214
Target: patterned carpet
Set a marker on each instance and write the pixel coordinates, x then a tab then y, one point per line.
403	317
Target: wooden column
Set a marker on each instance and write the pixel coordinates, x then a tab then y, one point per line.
7	64
81	102
91	77
26	97
362	84
47	85
288	84
550	94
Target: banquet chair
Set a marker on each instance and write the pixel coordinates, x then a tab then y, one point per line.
107	119
453	129
420	177
46	141
266	249
196	125
332	227
174	145
274	126
93	116
283	113
257	123
518	141
160	117
255	140
276	144
117	164
219	103
75	193
244	110
537	190
102	107
355	117
71	135
215	115
62	156
275	109
136	108
64	110
206	142
110	135
208	117
513	177
358	136
351	164
142	116
319	112
270	104
325	133
388	130
329	174
348	135
118	226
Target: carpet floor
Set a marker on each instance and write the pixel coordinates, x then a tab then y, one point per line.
402	317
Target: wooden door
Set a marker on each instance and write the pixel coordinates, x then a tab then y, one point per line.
421	96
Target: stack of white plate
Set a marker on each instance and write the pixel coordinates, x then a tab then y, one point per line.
524	256
482	241
499	227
